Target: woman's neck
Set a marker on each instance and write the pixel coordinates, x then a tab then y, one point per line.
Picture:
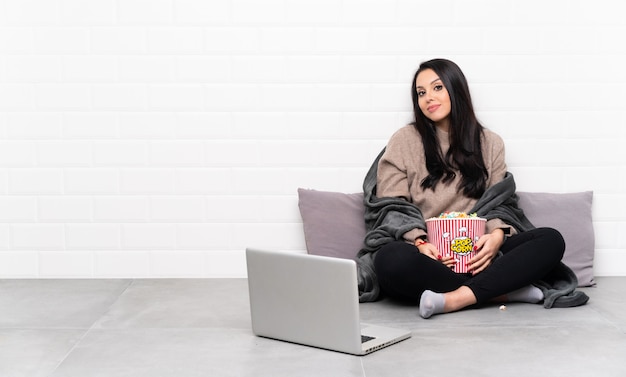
443	125
444	139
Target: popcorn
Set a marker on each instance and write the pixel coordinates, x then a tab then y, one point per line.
456	215
456	234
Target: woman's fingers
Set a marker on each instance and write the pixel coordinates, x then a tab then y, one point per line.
479	262
449	261
429	250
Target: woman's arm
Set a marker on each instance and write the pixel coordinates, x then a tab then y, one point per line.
392	178
393	175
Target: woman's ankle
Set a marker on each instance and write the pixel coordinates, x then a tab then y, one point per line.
459	299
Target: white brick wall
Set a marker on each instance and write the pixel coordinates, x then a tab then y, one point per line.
159	138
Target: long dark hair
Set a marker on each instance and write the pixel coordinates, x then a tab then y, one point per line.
465	153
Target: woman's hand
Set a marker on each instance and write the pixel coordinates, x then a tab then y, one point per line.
487	246
431	251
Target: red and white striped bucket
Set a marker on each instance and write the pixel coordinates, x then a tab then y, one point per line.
456	237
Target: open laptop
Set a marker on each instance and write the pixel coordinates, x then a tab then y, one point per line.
311	300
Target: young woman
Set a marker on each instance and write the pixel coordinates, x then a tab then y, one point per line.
447	161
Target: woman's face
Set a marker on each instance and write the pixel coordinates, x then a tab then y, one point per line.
433	98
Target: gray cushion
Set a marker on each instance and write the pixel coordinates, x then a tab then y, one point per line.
333	222
570	214
334	226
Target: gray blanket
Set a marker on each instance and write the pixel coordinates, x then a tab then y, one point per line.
387	219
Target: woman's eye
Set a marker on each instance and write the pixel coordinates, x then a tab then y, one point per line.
420	93
438	87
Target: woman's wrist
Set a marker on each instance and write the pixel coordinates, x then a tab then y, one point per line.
498	232
419	242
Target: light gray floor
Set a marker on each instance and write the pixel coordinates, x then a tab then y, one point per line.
201	327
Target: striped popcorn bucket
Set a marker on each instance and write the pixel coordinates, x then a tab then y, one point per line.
456	237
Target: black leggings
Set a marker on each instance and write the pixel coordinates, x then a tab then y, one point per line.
404	273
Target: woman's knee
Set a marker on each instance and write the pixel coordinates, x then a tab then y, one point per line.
553	240
393	264
392	257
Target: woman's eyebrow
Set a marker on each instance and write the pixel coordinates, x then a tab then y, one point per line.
432	82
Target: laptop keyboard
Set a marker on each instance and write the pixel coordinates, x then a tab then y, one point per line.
365	338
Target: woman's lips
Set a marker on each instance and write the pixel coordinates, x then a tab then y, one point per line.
432	108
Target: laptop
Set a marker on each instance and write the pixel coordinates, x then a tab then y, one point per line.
311	300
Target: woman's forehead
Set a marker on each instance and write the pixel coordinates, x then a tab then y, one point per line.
426	78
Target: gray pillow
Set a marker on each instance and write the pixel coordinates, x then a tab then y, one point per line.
334	226
333	222
570	214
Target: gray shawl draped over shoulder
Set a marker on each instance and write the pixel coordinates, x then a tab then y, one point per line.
387	219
